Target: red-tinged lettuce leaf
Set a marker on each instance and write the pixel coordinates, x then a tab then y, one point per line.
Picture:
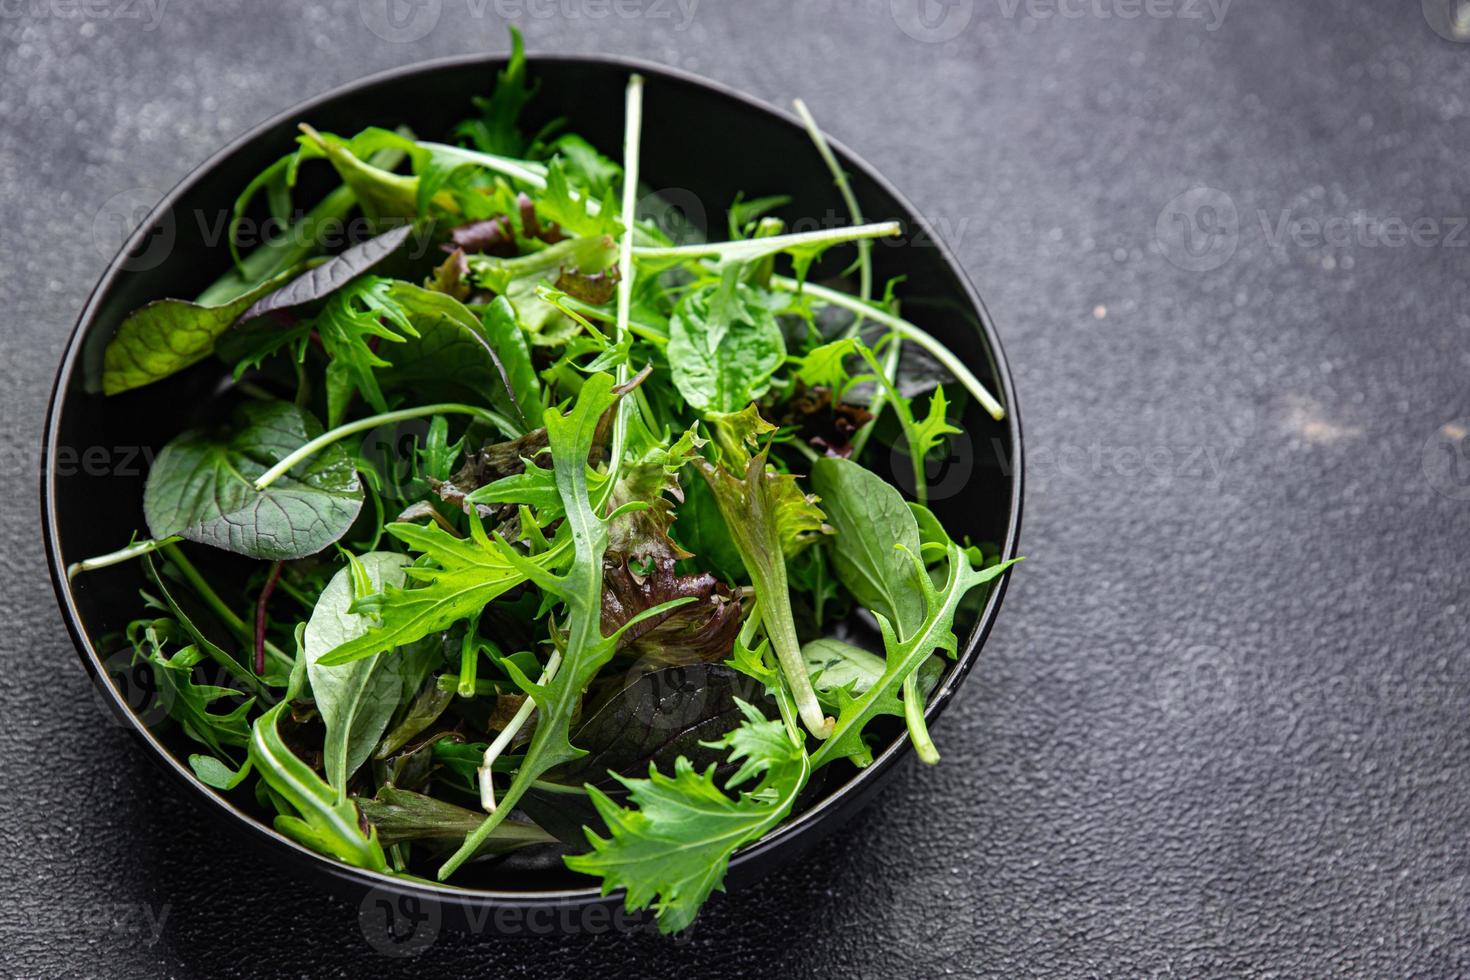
702	631
826	425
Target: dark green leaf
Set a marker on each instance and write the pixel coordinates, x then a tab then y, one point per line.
331	275
201	487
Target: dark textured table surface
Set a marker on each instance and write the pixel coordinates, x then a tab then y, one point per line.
1223	725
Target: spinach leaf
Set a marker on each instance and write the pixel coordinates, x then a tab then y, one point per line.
168	335
876	542
201	487
452	352
724	345
356	700
671	851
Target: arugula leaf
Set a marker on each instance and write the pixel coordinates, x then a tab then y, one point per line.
671	851
348	326
577	215
929	432
164	337
586	650
189	703
356	700
201	487
724	345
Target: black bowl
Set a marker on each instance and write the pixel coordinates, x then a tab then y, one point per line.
703	143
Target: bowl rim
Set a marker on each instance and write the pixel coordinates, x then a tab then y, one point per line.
344	874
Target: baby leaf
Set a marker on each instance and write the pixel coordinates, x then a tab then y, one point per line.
839	666
509	342
331	275
380	193
671	851
495	130
516	279
903	657
356	700
399	815
189	703
202	488
571	437
168	335
877	537
326	823
453	351
724	344
466	574
760	512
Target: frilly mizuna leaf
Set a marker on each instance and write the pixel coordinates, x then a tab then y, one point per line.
671	851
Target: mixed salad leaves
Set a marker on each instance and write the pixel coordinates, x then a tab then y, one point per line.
603	599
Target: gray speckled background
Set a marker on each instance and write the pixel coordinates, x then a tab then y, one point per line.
1223	725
